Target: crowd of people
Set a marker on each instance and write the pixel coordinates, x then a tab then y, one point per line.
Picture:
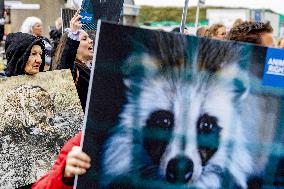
258	33
29	52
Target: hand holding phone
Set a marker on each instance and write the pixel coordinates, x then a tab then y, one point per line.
75	23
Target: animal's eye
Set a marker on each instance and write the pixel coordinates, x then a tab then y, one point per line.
161	119
207	124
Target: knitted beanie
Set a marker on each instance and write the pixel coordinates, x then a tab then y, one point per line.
18	48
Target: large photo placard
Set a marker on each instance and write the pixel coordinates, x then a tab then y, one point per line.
38	114
167	110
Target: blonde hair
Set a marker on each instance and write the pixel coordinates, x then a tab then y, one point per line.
58	51
28	24
237	22
214	29
203	31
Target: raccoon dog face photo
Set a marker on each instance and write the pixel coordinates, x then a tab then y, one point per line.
183	126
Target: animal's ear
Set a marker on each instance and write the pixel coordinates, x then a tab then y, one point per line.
237	79
137	67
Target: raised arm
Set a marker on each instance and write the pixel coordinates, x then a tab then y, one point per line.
70	49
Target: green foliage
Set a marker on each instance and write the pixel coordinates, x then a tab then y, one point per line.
158	14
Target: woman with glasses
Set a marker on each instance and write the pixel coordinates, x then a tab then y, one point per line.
217	31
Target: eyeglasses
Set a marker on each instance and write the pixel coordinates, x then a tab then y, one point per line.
223	33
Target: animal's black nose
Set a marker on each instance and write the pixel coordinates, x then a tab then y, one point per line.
179	170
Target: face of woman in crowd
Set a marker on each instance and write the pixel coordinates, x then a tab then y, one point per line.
37	29
34	61
85	51
220	34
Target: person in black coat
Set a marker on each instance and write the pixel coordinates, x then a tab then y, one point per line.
25	54
77	56
34	26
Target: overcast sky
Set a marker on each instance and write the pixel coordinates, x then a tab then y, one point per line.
275	5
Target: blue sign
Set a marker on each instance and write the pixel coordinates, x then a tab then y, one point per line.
108	10
86	17
258	15
274	68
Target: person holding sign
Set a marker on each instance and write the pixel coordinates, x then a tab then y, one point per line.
77	56
70	162
25	54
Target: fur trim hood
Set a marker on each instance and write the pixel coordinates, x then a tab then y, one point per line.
18	47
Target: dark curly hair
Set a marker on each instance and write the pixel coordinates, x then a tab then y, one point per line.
249	31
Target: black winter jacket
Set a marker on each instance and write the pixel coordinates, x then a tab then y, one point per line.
80	72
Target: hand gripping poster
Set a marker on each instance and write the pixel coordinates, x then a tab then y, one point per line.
38	114
166	110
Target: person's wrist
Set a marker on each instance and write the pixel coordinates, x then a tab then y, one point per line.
74	32
67	180
73	35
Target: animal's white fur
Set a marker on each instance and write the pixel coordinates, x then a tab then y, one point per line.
188	100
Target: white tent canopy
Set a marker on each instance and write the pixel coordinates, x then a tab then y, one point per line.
275	5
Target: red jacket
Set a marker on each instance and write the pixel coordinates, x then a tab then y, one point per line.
53	179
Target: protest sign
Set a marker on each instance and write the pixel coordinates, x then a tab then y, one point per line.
167	110
93	10
38	114
66	15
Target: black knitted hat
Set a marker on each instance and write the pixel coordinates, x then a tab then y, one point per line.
18	48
